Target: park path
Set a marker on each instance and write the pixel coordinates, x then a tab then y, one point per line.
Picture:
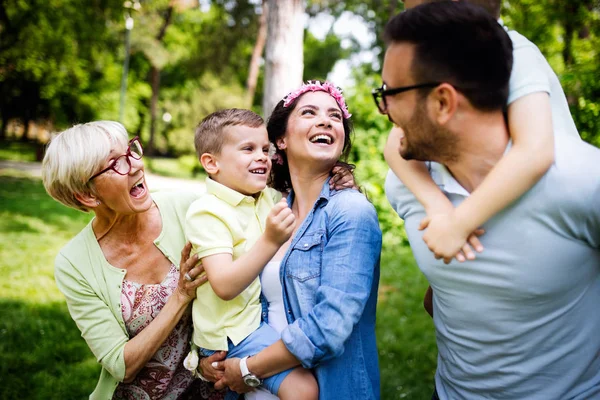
155	182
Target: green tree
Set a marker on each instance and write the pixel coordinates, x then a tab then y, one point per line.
52	53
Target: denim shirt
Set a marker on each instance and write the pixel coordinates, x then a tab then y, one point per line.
330	276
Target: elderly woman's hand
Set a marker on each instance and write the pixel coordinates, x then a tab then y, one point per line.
190	273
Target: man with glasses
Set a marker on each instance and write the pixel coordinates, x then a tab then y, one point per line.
520	321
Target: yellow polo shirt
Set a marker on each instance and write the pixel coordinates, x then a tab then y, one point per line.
226	221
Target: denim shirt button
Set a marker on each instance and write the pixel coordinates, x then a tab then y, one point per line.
305	245
289	311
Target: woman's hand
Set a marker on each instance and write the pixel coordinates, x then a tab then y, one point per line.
190	274
232	376
206	366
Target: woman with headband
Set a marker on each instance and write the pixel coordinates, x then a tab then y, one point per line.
322	284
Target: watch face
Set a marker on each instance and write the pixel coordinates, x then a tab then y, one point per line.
251	380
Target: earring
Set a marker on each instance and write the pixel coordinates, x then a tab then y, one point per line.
97	202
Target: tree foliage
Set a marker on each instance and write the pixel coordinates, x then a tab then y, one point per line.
61	63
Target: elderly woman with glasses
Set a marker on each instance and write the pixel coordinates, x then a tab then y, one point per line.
127	281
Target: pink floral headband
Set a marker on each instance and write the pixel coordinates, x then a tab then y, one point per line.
316	86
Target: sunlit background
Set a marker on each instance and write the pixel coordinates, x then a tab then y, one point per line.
159	67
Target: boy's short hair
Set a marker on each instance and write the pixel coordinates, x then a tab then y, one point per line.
210	135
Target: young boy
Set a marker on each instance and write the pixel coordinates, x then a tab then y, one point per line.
537	108
236	228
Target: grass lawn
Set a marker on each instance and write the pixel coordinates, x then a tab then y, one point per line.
14	150
42	355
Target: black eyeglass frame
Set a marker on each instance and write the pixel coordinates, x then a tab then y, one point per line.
380	93
127	154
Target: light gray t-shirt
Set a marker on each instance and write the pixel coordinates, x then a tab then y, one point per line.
522	321
531	73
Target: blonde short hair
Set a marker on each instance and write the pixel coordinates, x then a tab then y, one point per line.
76	154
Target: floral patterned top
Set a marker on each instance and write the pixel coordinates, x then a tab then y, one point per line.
164	376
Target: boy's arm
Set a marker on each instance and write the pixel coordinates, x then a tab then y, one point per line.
415	176
531	155
229	278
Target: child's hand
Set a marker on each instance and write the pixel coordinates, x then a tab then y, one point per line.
280	223
342	178
446	238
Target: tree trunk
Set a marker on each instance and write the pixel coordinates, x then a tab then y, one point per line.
26	121
284	51
259	46
3	127
155	83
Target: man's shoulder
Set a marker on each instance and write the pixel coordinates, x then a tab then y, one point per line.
576	164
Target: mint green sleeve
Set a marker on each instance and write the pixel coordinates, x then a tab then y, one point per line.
97	323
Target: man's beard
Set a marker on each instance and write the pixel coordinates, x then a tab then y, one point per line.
426	141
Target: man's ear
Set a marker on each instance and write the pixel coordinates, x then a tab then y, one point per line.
87	199
209	163
443	103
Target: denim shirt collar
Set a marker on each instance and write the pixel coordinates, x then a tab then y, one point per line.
323	198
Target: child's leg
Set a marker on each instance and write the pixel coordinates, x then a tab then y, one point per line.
300	384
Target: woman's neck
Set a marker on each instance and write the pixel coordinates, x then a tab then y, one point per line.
307	186
124	228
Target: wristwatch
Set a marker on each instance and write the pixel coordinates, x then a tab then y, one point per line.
249	378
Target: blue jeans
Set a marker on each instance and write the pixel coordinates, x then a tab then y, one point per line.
261	338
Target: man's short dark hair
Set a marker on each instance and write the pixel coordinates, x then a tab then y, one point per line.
457	43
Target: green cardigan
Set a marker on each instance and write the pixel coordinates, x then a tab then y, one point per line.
92	288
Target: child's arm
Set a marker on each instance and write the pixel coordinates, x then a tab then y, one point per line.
229	278
415	176
532	153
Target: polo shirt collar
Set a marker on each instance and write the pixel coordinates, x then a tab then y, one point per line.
442	176
228	195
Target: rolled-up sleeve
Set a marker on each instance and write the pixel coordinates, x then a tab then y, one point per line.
349	262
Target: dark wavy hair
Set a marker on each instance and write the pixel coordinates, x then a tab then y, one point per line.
277	126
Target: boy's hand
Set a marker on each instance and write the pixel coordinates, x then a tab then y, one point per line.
207	369
446	238
280	223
